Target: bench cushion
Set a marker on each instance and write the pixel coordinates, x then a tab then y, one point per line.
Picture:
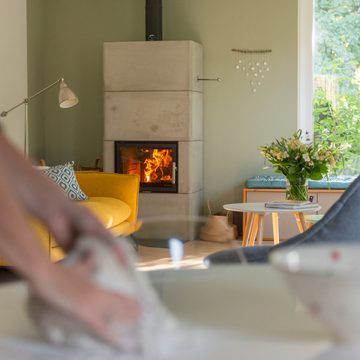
339	182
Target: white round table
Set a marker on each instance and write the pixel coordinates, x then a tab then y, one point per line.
255	220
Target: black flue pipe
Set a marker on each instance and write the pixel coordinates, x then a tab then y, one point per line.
153	11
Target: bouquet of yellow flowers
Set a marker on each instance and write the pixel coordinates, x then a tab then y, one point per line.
299	161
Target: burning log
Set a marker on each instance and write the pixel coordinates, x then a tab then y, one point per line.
157	165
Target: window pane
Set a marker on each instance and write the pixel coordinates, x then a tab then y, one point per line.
337	78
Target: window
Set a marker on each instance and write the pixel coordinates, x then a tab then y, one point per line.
336	110
329	75
305	65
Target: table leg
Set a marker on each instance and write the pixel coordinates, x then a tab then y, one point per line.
249	222
297	221
254	230
301	222
275	224
260	234
310	224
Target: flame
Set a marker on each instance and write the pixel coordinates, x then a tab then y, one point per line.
154	167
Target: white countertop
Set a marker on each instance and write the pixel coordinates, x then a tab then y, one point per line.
251	301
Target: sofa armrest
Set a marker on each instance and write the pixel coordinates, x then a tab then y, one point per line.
124	187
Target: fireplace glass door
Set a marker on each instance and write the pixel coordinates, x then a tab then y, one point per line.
155	163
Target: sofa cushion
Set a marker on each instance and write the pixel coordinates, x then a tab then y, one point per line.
64	177
109	211
124	187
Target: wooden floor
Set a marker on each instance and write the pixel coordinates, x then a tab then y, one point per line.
150	258
195	251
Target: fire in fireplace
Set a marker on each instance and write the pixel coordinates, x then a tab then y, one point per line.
155	163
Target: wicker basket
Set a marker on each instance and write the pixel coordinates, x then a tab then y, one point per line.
218	227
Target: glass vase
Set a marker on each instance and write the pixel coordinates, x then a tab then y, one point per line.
297	190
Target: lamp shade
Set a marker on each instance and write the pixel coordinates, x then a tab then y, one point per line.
67	97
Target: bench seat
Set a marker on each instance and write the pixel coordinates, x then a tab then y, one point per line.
339	182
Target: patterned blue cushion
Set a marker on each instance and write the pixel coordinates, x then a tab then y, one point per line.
64	177
339	182
266	182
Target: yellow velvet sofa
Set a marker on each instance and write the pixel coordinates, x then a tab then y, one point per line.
113	200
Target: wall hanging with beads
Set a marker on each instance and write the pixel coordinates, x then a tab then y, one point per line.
254	64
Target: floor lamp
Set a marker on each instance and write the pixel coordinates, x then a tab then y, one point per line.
67	98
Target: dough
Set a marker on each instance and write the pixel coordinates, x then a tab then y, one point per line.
156	333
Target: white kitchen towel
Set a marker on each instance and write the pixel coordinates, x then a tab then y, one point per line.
157	332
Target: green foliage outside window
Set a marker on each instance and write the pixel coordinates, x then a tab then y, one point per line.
337	78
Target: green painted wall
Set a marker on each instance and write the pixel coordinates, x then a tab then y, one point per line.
36	81
13	69
236	121
73	32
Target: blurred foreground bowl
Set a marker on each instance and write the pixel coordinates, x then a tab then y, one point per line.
326	280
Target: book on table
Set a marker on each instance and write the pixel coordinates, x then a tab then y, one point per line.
290	204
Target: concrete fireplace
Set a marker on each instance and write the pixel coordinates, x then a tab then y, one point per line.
151	94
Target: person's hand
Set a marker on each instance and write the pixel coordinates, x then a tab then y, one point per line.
67	220
70	291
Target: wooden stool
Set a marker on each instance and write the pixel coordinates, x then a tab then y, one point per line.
312	219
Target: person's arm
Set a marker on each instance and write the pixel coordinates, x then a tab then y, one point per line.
67	289
39	196
18	242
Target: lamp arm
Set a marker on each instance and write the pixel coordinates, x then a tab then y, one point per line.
25	101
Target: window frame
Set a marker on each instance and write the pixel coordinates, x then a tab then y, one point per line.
305	66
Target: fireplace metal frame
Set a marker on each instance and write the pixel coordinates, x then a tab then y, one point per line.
151	187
